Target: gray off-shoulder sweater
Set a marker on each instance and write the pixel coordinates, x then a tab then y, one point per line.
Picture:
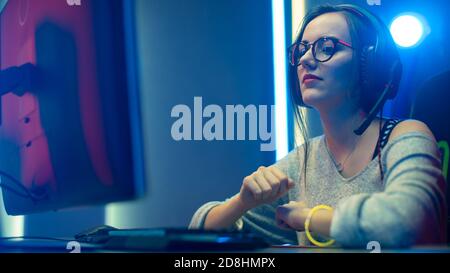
407	208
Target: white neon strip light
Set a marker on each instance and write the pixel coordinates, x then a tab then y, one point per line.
280	88
298	12
15	226
10	226
112	215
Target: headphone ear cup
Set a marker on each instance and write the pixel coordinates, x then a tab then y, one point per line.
374	78
396	72
367	73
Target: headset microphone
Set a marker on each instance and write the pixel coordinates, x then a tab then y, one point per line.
394	74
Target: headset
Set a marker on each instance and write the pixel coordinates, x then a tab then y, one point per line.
380	68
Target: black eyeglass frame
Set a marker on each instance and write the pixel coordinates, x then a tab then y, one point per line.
335	41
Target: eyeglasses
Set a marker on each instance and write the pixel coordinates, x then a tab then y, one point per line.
322	49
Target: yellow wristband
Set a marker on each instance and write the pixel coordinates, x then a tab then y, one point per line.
308	222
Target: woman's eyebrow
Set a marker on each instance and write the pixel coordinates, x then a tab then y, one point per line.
321	36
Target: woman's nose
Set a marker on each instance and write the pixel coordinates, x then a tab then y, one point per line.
307	60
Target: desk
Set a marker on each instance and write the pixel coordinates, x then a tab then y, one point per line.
66	246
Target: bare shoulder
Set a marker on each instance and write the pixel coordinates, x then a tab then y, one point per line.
409	126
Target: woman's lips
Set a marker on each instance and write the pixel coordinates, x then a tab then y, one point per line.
309	81
310	78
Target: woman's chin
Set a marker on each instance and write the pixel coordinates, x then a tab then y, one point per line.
312	97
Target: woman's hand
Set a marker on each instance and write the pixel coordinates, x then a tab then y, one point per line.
264	186
292	215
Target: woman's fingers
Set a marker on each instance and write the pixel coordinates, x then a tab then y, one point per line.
281	217
281	224
279	174
274	182
292	214
252	186
264	186
285	187
285	182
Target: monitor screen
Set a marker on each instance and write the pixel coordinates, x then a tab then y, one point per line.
72	138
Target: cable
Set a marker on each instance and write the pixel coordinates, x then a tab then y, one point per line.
26	193
19	79
35	238
6	187
16	182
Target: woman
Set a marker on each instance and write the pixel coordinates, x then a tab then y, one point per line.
377	182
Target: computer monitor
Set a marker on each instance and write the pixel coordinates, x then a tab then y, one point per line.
73	137
70	121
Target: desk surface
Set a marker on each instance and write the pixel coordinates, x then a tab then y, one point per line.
67	246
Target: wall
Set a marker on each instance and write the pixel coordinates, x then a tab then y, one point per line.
219	50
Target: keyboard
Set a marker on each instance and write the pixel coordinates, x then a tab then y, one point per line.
171	239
